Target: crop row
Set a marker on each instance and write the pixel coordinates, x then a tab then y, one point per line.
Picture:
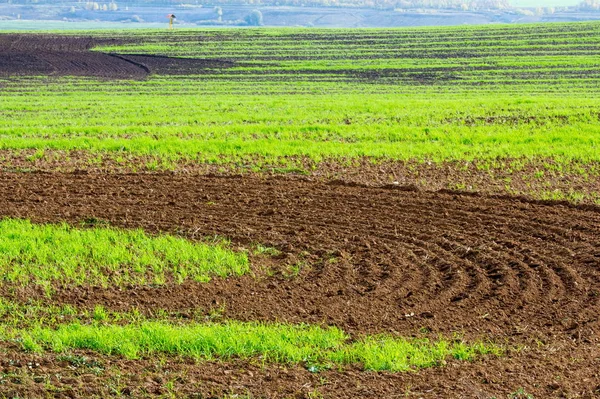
318	348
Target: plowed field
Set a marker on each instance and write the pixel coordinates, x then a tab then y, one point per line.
387	259
311	175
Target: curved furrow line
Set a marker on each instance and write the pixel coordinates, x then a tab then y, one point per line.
451	281
497	264
571	277
555	289
501	281
448	248
558	284
489	277
329	227
535	283
547	257
442	268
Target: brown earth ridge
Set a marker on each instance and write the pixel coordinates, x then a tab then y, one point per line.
373	260
535	179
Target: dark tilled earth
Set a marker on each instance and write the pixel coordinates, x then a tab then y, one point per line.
373	259
60	55
71	56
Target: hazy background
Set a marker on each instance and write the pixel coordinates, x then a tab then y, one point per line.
540	3
93	14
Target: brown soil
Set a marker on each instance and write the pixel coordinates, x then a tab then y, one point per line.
28	54
51	375
373	259
577	182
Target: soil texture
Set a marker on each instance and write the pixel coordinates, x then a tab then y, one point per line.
387	259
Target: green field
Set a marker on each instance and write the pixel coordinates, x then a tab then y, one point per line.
60	254
433	94
515	105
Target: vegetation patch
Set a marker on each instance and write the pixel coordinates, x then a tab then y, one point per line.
419	94
314	346
65	255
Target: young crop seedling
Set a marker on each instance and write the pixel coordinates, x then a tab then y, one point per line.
62	255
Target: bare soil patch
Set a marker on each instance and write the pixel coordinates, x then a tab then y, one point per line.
539	373
390	259
29	54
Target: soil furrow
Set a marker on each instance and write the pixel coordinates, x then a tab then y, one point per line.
374	260
370	255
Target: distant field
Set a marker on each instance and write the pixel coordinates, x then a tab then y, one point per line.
290	99
301	213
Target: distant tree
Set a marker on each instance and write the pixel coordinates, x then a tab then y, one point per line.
255	18
465	5
589	5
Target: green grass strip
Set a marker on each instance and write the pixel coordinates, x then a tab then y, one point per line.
559	147
314	346
45	254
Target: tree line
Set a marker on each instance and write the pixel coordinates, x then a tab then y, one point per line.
465	5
